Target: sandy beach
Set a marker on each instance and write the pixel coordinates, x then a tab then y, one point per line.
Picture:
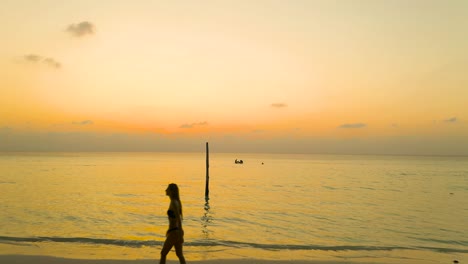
23	259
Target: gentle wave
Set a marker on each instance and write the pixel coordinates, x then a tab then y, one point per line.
211	243
7	182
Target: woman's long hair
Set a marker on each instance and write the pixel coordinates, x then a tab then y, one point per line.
174	195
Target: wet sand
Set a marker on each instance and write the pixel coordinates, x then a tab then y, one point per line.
23	259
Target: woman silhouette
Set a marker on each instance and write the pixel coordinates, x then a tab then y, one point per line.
175	233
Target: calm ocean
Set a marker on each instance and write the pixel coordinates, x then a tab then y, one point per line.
396	209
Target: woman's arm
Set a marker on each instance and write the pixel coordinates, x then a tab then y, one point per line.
176	207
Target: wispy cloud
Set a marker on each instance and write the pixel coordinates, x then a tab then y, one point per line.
258	131
192	125
83	123
32	58
279	105
451	120
81	29
353	125
35	58
52	63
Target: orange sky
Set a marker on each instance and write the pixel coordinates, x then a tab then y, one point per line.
286	76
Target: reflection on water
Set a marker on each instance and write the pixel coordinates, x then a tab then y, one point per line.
206	219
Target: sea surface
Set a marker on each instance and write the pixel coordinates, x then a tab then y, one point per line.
376	209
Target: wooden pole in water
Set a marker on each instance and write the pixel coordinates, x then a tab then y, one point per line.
207	187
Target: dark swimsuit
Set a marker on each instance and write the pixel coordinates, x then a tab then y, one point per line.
172	215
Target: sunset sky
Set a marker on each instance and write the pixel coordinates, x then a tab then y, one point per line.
341	77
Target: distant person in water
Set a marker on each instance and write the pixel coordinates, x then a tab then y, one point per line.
175	233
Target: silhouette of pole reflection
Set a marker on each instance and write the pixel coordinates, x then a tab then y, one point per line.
206	218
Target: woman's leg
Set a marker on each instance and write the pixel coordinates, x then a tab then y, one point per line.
179	252
165	250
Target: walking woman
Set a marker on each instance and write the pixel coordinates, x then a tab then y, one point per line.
175	233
